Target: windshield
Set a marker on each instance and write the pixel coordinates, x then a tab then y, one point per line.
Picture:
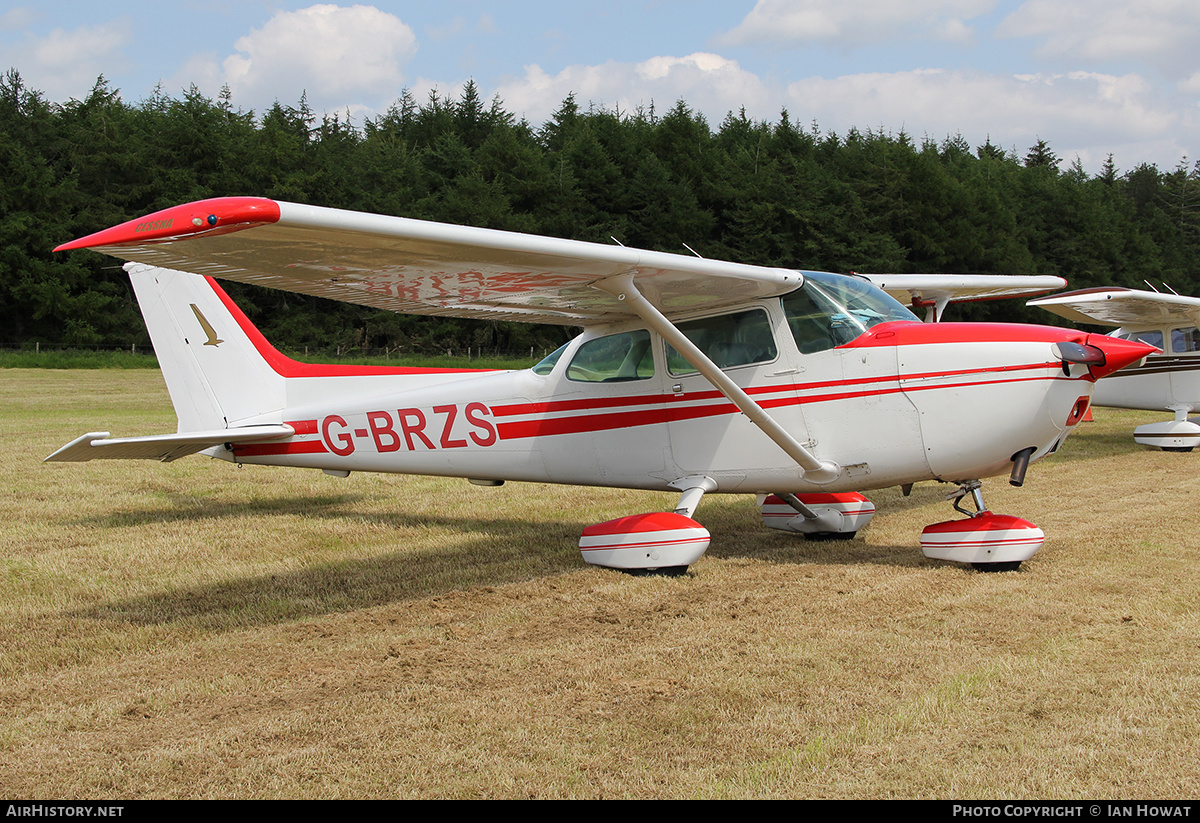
548	363
830	310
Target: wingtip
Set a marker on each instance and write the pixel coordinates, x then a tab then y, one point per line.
217	215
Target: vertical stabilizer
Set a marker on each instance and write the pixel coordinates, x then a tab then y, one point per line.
214	372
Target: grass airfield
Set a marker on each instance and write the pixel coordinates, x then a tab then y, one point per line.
194	629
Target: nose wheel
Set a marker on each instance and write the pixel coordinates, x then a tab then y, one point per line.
989	542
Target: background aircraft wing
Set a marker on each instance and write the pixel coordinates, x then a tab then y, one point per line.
418	267
1122	307
929	290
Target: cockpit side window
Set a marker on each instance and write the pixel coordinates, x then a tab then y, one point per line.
613	359
729	340
830	310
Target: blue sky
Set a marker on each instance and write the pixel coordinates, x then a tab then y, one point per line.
1091	77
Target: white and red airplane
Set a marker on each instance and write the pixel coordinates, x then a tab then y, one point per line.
1168	380
692	375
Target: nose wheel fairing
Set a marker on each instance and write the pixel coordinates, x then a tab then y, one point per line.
988	541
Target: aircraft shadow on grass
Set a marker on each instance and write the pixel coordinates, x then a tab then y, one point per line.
485	552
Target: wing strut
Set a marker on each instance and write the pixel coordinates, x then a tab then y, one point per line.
622	287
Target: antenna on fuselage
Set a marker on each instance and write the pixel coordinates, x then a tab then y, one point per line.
693	251
1151	285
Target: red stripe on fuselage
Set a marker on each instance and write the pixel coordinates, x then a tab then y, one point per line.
260	449
908	333
578	424
598	403
287	367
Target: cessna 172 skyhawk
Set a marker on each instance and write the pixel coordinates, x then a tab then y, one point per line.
691	375
1169	380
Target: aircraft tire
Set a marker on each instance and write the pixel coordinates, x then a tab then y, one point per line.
662	571
831	536
1010	566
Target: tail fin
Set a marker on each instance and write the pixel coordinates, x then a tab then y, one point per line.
215	372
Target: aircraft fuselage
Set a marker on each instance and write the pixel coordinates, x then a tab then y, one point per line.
901	403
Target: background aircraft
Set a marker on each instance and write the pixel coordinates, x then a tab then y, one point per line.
933	292
1168	379
692	375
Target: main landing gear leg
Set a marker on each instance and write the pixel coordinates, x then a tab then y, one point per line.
989	542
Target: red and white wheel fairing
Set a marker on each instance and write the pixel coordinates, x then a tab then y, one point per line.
658	540
984	538
840	513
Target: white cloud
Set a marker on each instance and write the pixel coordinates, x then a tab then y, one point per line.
342	57
1083	114
18	17
707	82
796	22
1162	33
66	62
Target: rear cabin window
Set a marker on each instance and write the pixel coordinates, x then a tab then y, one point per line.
729	340
613	359
1185	340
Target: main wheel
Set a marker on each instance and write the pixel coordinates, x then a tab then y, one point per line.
1011	566
662	571
830	536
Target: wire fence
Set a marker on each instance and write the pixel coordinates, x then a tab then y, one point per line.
402	354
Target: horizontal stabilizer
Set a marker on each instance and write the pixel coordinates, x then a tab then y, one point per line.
164	447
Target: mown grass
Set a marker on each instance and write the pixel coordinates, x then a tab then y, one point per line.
195	630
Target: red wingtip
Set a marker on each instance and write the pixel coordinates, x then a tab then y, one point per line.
218	215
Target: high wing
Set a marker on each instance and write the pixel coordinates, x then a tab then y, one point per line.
1122	307
936	291
417	267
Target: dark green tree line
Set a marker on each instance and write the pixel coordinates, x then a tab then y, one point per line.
773	193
